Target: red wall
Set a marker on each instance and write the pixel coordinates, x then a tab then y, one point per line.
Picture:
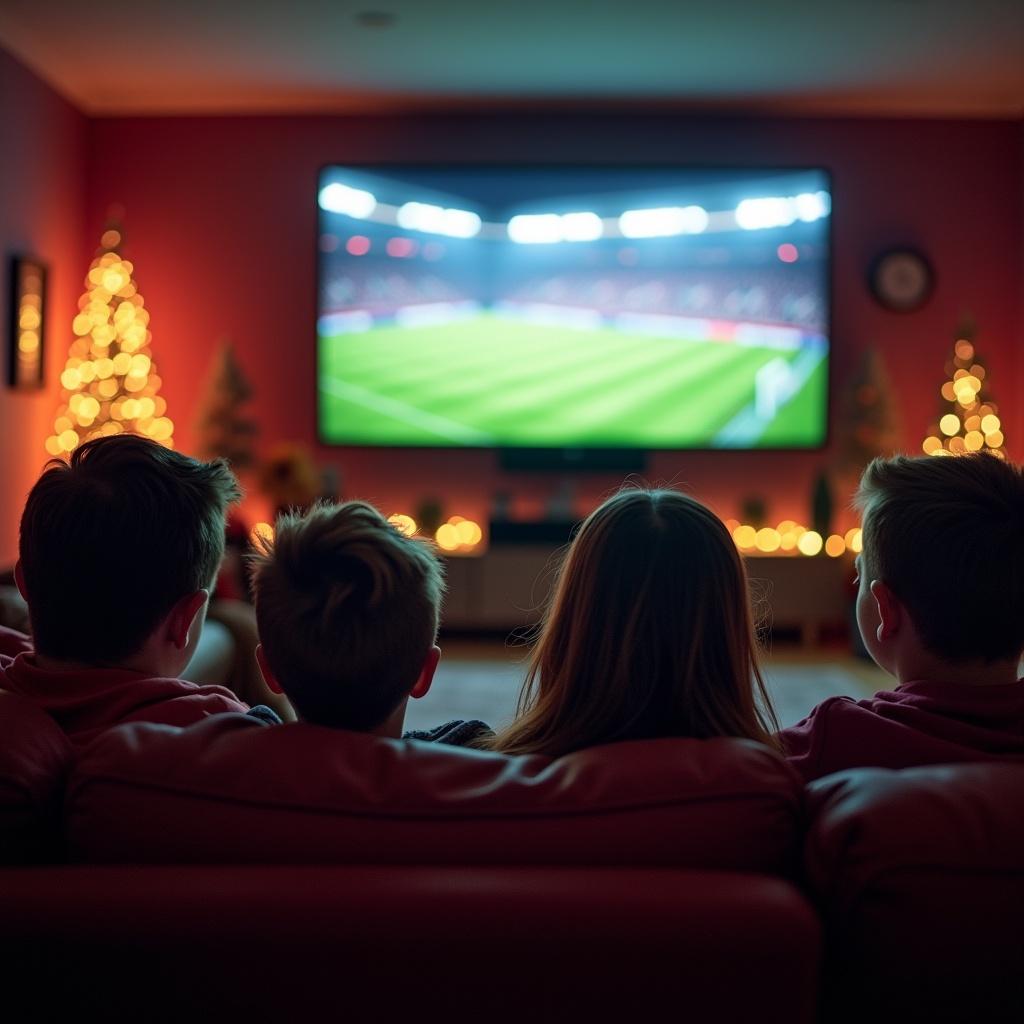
221	223
42	207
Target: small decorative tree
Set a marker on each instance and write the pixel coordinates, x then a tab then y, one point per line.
822	505
754	510
223	430
110	383
869	426
289	477
969	419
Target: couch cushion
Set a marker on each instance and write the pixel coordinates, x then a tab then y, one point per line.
34	759
229	790
920	877
309	943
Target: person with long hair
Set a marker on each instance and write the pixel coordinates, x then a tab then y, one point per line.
649	634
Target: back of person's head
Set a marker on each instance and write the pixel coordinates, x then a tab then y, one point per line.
112	539
347	609
946	535
649	634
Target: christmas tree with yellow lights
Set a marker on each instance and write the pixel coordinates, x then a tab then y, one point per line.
969	421
110	383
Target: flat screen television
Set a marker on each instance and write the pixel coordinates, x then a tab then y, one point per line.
573	309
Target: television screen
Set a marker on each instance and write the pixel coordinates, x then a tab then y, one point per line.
573	307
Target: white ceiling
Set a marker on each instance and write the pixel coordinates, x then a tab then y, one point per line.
879	57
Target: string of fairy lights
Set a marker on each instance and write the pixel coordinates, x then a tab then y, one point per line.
110	384
462	536
457	536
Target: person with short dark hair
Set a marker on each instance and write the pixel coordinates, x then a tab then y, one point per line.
940	606
118	552
347	609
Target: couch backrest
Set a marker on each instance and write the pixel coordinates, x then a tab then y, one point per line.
919	874
34	759
230	790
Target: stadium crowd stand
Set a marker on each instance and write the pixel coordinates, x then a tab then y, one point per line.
735	295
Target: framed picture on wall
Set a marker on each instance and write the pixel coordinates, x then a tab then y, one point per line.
28	306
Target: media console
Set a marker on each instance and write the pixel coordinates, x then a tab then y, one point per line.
506	588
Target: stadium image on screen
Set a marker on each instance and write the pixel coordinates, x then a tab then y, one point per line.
573	307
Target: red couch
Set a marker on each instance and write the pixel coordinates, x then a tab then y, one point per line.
284	873
289	873
919	878
230	790
35	757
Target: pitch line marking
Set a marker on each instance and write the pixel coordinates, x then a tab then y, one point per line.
746	427
409	414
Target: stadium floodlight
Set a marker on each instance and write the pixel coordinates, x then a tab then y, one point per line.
812	205
424	217
353	202
460	223
436	220
533	228
766	212
581	227
663	221
693	219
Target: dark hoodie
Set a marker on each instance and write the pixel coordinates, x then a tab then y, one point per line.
918	723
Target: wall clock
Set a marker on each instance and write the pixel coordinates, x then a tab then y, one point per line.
901	279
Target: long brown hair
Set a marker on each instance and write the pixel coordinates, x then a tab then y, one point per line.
648	634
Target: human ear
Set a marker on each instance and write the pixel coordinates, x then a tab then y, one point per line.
268	677
19	579
426	676
182	619
890	611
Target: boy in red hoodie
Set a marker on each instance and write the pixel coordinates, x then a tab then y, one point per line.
119	549
940	606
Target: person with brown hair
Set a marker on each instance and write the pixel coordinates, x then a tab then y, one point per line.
649	634
347	609
940	606
118	551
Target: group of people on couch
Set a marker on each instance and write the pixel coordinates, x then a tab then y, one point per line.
649	633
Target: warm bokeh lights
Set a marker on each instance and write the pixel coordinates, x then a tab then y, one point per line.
458	535
27	370
403	523
462	536
790	538
972	423
261	531
110	384
835	546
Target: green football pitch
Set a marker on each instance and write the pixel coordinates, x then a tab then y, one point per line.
490	381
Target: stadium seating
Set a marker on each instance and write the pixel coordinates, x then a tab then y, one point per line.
767	296
226	876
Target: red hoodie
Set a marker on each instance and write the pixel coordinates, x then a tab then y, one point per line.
918	723
85	702
13	643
